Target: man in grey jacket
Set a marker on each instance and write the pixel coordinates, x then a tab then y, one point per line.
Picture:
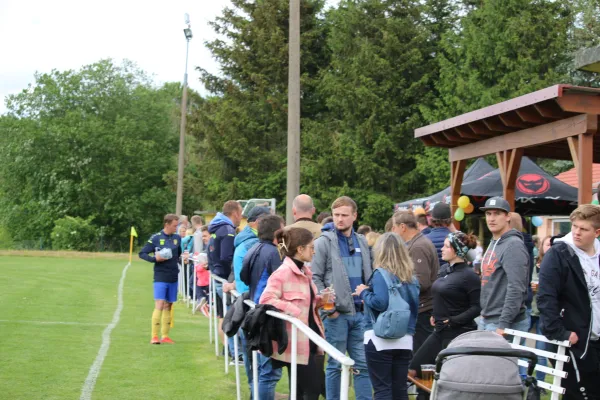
504	273
342	261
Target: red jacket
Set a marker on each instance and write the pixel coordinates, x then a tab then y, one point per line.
288	289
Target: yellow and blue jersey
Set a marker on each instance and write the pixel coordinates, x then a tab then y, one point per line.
168	270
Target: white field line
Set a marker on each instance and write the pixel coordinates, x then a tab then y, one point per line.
19	321
90	381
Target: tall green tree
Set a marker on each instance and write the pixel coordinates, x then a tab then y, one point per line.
93	143
505	48
373	88
502	49
242	128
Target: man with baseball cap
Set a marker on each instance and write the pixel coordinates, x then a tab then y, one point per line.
247	238
441	219
504	272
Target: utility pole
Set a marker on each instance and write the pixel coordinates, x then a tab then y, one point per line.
180	165
293	142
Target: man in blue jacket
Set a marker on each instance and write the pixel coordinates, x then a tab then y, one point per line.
258	264
243	242
166	271
441	219
221	245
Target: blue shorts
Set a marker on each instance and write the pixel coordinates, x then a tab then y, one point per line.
165	291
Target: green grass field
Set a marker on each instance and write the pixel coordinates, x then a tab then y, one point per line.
54	311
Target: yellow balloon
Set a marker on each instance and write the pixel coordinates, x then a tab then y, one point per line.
470	208
419	211
463	201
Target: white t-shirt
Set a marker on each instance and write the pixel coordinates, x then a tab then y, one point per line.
404	343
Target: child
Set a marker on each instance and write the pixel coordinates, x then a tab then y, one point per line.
202	281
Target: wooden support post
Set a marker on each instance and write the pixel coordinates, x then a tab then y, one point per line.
582	152
584	169
457	170
509	162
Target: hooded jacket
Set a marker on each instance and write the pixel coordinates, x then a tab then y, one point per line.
438	236
220	245
328	270
257	266
563	297
504	279
243	242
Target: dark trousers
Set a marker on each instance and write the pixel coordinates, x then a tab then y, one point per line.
435	343
423	329
388	370
589	375
310	382
201	292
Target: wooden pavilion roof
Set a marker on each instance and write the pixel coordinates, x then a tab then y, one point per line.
562	110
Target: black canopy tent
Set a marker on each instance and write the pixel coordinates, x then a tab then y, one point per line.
478	169
536	192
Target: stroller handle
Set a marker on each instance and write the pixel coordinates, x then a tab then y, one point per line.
482	351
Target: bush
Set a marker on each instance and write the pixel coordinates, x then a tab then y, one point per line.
6	241
74	233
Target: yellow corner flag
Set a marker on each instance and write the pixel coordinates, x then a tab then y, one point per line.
132	234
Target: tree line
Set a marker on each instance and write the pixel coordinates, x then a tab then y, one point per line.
97	147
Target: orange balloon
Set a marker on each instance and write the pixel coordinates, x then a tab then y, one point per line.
419	211
470	208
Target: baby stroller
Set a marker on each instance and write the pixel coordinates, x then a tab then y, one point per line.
481	365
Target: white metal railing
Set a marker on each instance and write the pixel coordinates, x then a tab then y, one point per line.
184	281
559	358
344	360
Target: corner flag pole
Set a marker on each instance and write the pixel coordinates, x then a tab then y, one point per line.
131	236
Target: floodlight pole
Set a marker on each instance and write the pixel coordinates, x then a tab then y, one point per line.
293	139
181	165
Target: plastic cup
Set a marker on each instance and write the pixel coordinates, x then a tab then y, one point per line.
328	299
427	371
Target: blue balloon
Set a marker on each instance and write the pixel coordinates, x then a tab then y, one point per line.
537	221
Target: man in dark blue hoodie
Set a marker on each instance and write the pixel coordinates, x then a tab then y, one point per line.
441	219
221	247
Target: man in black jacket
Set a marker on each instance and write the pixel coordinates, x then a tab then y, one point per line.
569	300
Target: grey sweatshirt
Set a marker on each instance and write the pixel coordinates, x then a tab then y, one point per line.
504	275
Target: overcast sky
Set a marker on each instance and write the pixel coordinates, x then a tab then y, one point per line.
39	35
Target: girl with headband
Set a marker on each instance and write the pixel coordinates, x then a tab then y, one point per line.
455	299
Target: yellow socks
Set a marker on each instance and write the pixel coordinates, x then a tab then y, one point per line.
156	314
166	323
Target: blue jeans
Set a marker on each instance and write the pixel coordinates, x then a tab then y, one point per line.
268	377
346	333
247	360
485	325
535	323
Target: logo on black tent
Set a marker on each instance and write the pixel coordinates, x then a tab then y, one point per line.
532	184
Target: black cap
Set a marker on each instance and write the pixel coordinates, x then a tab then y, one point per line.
496	203
257	212
441	211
